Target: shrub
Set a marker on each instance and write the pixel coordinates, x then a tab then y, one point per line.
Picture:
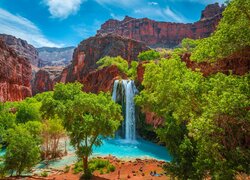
44	174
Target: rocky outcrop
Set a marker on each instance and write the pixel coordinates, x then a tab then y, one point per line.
22	48
164	34
15	75
84	67
55	56
42	82
102	80
44	79
237	63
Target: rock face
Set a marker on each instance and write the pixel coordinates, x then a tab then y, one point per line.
15	75
237	63
44	79
164	34
55	56
84	67
42	82
22	48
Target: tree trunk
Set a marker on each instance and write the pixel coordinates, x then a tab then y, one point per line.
85	165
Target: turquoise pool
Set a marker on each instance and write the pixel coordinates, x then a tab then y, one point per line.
115	147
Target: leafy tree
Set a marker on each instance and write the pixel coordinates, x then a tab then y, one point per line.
132	72
171	90
52	133
149	55
28	111
118	61
86	117
7	121
89	118
22	152
232	34
206	119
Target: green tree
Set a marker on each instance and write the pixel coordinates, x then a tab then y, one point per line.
232	34
149	55
118	61
86	117
173	91
89	118
22	152
28	111
52	132
206	119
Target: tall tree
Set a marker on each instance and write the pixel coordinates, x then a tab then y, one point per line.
22	152
232	34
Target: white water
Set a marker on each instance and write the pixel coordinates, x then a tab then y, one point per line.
127	93
115	90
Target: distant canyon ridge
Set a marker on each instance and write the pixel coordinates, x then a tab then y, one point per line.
126	38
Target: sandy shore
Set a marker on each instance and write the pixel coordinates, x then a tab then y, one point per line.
125	169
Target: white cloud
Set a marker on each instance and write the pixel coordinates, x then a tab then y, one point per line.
63	8
120	3
203	1
170	13
152	3
165	14
23	28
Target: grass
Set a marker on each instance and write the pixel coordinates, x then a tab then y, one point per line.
95	164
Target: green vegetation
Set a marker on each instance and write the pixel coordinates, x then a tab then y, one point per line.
206	118
81	113
121	64
118	61
95	164
32	129
22	152
232	34
149	55
52	132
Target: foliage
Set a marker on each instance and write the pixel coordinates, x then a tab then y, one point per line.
187	46
95	164
149	55
44	174
22	151
81	113
52	133
232	34
118	61
206	119
28	111
132	72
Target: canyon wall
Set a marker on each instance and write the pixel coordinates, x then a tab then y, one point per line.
164	34
55	56
15	75
22	48
84	67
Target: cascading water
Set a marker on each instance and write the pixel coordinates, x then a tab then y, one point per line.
124	92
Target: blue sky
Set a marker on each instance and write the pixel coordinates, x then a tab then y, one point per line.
60	23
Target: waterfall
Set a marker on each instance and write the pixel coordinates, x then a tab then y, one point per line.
114	90
124	92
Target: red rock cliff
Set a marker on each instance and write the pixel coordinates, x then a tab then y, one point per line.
84	67
164	34
15	75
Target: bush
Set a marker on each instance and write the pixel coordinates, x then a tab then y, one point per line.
95	164
44	174
149	55
66	169
111	168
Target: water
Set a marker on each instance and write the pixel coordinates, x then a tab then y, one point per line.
127	147
137	149
126	95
